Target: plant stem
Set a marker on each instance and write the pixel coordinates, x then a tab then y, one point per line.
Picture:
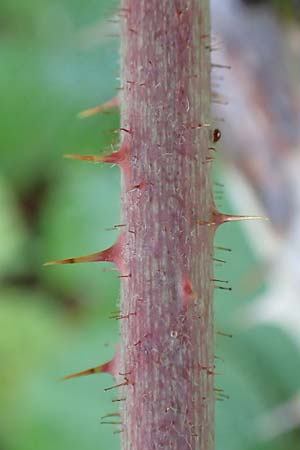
167	361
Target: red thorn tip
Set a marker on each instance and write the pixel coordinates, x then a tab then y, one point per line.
113	103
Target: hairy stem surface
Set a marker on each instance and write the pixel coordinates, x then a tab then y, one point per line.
167	361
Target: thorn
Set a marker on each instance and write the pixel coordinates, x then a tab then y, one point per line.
220	102
126	130
98	369
222	333
123	374
91	158
120	157
196	126
218	389
220	260
125	383
204	222
208	159
232	218
123	316
113	103
209	369
220	218
112	254
115	227
219	281
222	396
93	257
118	400
131	82
108	367
223	248
223	288
139	186
111	423
220	66
115	314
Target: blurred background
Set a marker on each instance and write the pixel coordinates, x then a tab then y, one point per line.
59	58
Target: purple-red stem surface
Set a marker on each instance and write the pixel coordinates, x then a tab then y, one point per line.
167	361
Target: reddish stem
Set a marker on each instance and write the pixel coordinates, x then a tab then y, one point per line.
166	191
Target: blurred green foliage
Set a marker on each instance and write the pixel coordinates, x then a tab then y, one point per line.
56	320
287	9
